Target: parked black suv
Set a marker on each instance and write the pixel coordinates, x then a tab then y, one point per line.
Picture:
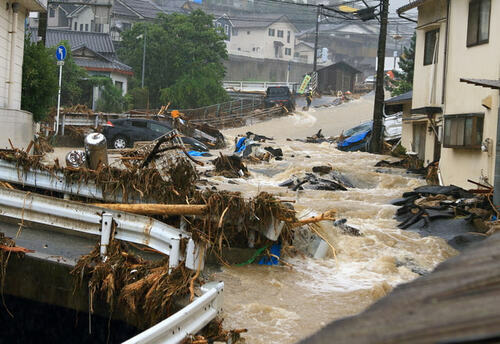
121	133
280	95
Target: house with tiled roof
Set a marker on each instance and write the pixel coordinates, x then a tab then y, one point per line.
114	20
93	51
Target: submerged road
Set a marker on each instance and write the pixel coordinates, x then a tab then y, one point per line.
301	124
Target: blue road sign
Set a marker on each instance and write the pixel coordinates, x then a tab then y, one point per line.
61	52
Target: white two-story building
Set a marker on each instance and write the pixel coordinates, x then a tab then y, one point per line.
266	37
15	124
455	108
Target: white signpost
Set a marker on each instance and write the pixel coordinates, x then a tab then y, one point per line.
60	55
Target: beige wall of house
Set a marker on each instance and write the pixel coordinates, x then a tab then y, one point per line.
256	42
407	128
477	62
429	81
15	124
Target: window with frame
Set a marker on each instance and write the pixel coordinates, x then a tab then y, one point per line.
271	32
463	131
288	51
76	26
226	29
478	26
288	35
280	33
52	12
86	27
430	49
81	27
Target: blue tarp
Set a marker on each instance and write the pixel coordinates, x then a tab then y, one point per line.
196	153
354	139
275	250
240	145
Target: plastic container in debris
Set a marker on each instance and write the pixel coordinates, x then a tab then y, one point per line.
96	149
76	158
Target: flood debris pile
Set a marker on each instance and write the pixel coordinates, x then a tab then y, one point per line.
322	178
214	332
250	148
233	221
230	166
450	212
128	185
123	280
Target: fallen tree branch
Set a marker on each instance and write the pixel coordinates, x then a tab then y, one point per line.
326	216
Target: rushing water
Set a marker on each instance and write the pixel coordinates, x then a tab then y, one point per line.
282	304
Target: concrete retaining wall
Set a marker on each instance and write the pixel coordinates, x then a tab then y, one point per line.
251	69
16	125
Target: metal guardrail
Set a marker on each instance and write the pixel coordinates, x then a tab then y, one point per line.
84	218
187	321
255	86
54	181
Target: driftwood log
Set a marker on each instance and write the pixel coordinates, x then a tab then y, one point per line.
156	209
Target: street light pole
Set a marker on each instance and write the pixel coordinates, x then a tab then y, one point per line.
378	108
143	59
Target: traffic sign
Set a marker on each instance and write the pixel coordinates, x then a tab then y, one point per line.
60	63
61	53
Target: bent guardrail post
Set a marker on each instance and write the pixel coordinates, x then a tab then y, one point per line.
106	226
187	321
81	217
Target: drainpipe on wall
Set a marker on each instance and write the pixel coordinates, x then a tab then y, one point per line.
15	10
496	183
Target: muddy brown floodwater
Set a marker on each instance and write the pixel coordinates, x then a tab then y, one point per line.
279	304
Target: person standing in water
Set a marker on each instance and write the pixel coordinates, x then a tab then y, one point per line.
309	98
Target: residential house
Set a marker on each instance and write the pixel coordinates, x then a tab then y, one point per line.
15	124
105	19
93	51
456	88
265	37
304	52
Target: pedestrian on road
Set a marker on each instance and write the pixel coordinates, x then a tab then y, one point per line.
309	98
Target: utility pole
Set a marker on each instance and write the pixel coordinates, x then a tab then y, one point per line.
378	108
318	13
143	59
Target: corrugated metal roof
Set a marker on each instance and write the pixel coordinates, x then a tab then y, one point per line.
341	64
494	84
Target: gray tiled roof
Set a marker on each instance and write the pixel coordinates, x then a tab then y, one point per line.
262	21
122	11
98	42
101	63
144	8
402	98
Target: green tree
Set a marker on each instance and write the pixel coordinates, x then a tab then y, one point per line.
111	98
182	50
72	75
40	80
404	80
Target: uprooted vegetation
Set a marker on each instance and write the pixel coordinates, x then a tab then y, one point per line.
145	288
